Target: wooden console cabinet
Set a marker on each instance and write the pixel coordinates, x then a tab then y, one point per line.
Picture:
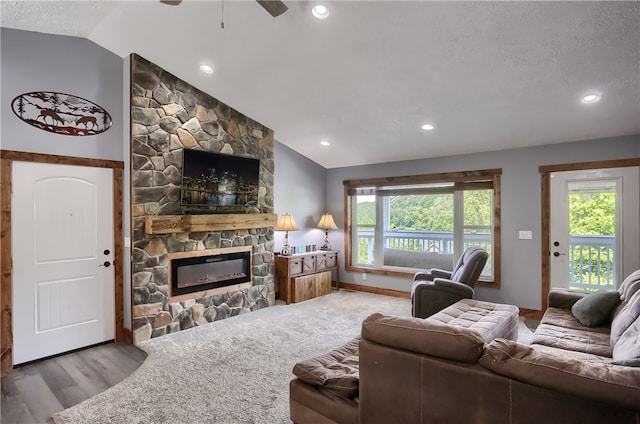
304	276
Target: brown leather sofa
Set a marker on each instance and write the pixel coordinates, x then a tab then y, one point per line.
412	370
329	387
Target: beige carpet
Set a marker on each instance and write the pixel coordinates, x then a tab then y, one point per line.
525	330
232	371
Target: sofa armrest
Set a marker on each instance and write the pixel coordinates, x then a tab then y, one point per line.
459	288
431	274
335	371
563	298
424	336
599	381
441	273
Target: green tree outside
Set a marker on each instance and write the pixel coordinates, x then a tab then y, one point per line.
428	213
592	214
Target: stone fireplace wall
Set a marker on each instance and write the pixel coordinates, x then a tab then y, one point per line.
167	116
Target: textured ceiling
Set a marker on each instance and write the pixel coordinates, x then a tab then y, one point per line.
488	75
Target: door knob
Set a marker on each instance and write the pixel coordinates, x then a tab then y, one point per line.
556	254
106	264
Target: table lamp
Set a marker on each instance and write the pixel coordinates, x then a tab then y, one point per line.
326	223
286	223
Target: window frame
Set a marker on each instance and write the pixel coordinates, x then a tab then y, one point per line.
476	176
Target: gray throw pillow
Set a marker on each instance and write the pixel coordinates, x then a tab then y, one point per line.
596	308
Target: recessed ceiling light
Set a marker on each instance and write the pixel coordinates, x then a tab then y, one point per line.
591	98
325	143
320	11
427	127
206	69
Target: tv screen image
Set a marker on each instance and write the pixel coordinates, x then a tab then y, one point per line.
215	182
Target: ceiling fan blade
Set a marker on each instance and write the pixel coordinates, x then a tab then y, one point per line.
171	2
274	7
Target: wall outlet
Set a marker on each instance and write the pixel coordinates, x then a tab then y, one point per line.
364	276
525	235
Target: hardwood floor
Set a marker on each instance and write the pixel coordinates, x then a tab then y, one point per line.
33	392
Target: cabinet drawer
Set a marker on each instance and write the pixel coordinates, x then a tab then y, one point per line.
295	266
309	264
321	261
332	259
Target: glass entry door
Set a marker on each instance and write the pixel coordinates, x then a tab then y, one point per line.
594	228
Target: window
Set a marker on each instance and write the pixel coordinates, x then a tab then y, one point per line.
400	224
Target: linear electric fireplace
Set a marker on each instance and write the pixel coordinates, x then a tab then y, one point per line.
206	270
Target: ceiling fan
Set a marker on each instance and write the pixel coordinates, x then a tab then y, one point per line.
274	7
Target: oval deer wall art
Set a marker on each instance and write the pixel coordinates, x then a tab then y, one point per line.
61	113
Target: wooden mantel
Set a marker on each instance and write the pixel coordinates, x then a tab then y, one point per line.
168	224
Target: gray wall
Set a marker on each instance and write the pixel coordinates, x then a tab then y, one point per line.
300	189
32	61
521	270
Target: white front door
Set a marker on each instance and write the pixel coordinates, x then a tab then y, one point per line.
62	249
594	227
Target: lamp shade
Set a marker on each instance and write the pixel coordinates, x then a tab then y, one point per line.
327	222
286	223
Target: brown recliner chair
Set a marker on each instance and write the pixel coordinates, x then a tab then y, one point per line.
435	289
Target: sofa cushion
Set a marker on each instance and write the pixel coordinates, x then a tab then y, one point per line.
490	320
580	356
424	336
581	340
625	317
336	371
596	308
627	349
559	317
594	380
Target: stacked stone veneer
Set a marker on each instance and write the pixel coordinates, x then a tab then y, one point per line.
167	116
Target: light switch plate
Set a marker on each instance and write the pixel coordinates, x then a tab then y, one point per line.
525	235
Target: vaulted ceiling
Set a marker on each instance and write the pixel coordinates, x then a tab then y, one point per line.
487	75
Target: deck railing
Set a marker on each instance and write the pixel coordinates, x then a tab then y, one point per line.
419	241
591	262
591	258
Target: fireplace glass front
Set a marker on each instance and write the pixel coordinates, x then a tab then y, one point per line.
200	273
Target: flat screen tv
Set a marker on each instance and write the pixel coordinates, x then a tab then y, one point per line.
218	183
